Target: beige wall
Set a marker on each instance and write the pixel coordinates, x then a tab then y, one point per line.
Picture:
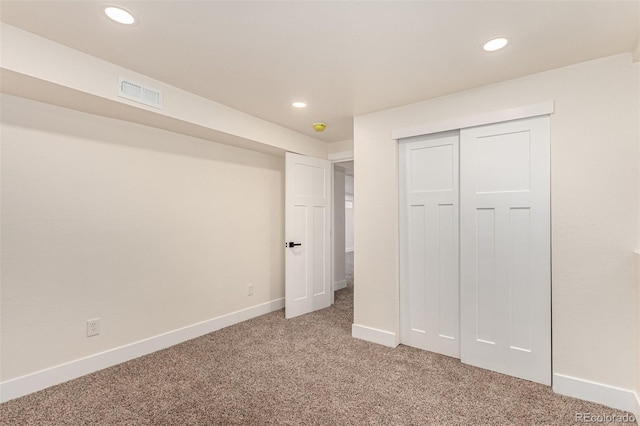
595	209
340	147
148	230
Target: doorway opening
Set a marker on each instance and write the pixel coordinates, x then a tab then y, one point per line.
343	225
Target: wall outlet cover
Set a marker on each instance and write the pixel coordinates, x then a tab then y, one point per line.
93	327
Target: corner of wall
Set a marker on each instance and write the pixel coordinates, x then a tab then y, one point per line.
374	335
611	396
24	385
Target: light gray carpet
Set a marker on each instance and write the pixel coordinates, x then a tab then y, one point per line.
304	371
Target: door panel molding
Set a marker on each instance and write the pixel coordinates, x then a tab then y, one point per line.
504	235
429	209
505	248
307	224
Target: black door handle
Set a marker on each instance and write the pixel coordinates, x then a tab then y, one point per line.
292	244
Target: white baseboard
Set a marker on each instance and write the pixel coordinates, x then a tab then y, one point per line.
42	379
381	337
611	396
340	285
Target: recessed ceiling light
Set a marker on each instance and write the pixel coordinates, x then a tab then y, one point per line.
495	44
119	15
299	104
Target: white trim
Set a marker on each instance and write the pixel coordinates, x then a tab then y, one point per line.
340	285
42	379
637	256
340	156
611	396
475	120
381	337
348	250
332	237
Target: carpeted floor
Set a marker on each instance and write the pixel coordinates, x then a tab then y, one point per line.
304	371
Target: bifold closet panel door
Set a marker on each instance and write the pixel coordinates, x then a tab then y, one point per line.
505	276
429	294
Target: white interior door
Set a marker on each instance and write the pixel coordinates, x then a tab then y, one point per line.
505	248
429	289
307	232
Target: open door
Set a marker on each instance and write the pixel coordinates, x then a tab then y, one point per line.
307	232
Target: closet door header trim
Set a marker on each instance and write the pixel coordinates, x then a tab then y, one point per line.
517	113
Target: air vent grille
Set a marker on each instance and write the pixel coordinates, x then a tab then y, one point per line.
137	92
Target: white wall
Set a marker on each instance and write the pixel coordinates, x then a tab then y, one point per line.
148	230
339	268
595	209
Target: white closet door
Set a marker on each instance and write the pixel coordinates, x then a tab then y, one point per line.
505	248
429	243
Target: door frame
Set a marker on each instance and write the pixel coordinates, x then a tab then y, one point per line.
337	157
334	158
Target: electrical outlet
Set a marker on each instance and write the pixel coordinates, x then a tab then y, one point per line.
249	289
93	327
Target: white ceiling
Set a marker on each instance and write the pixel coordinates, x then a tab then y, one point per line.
343	58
